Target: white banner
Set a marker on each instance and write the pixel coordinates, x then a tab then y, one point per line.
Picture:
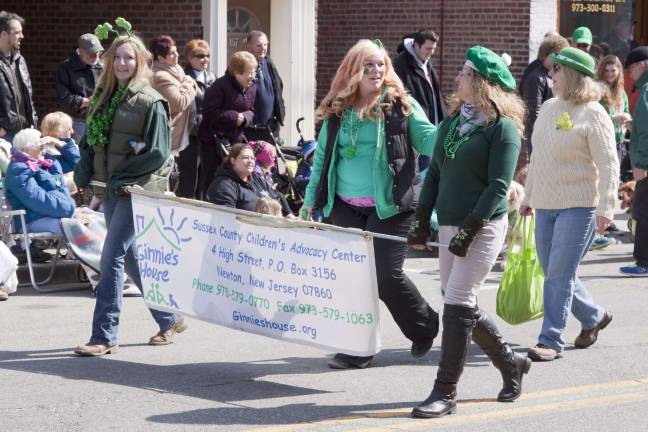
258	274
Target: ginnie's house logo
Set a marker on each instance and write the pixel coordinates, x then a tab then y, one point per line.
158	242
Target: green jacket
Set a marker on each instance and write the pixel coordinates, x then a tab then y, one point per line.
422	136
141	117
477	179
639	135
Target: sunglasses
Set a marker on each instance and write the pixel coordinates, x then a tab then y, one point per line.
582	45
201	56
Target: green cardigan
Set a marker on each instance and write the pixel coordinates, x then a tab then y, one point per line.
422	136
477	179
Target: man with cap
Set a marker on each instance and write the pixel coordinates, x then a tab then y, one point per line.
76	79
16	106
637	66
582	39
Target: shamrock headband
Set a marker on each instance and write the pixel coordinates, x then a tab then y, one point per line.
102	30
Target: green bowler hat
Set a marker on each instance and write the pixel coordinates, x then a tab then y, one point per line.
576	59
491	66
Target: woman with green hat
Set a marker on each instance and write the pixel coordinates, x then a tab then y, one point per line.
572	185
472	167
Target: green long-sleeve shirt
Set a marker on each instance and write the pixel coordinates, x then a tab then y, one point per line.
619	130
422	136
639	135
477	179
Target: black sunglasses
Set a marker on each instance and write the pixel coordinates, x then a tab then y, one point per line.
201	56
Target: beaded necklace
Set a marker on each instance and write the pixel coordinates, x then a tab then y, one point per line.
352	127
450	143
101	120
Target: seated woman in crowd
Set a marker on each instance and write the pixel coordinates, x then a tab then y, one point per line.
236	185
35	181
227	109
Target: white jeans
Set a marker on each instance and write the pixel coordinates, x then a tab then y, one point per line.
462	277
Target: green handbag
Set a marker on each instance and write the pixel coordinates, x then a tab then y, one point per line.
520	293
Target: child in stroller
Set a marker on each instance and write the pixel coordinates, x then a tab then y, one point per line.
305	166
266	168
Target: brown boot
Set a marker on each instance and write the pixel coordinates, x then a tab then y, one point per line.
589	336
92	350
166	337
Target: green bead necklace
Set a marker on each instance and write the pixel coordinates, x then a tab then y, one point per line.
450	143
353	129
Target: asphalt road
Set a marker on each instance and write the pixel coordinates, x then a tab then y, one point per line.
218	379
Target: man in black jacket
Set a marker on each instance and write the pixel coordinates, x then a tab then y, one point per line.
536	87
76	79
16	106
269	105
414	67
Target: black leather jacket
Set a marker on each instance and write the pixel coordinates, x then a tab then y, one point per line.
535	89
9	118
201	88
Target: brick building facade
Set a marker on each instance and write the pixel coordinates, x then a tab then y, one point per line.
502	25
512	26
53	28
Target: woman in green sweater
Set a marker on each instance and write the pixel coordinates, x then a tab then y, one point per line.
365	176
471	170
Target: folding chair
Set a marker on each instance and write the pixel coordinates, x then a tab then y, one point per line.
8	235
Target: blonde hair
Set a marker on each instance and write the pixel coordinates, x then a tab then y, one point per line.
55	122
269	206
196	46
577	88
493	100
344	91
613	93
108	81
241	60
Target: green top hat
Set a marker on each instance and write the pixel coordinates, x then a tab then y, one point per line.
576	59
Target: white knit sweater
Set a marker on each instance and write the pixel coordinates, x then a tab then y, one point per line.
578	167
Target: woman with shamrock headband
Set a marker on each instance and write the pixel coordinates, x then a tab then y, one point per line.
572	185
471	170
127	143
365	176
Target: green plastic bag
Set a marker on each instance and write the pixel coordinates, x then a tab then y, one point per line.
520	293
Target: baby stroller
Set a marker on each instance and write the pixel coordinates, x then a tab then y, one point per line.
286	167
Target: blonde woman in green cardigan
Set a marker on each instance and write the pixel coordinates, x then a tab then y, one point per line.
365	176
467	182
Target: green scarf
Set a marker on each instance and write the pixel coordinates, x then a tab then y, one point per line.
100	122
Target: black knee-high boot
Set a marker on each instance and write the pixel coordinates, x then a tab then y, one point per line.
458	322
513	366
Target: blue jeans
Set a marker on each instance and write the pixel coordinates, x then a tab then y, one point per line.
563	237
116	255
